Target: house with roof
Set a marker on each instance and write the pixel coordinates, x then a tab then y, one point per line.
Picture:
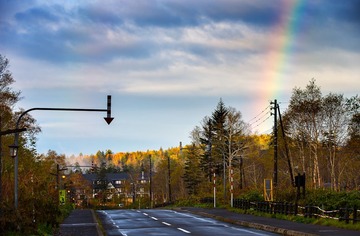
118	186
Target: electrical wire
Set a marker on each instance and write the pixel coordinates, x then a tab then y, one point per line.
260	122
260	119
259	113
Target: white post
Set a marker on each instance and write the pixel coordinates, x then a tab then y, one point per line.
232	186
214	189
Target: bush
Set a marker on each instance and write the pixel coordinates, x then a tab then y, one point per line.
331	200
252	195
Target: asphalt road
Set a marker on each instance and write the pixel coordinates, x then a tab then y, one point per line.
167	222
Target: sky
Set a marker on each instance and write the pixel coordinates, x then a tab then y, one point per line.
167	63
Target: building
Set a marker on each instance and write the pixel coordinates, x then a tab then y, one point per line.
120	187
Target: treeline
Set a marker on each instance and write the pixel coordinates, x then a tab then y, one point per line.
319	136
322	136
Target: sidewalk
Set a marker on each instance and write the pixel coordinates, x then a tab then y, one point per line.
80	222
283	227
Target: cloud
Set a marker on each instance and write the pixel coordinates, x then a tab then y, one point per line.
163	46
98	32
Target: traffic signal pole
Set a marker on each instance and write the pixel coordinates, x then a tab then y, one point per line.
108	120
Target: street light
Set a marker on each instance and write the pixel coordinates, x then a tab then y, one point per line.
108	120
13	150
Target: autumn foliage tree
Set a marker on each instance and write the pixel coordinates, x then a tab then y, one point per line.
320	128
37	196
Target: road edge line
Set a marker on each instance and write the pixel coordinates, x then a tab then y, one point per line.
99	227
247	224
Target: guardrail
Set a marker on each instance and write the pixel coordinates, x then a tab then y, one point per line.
346	214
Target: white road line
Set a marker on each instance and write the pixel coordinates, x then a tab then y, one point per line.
183	230
145	214
165	223
198	218
154	218
250	232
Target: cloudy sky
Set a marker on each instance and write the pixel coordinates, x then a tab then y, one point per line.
167	63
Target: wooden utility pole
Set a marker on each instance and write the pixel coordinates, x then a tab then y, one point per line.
150	182
275	177
286	149
169	177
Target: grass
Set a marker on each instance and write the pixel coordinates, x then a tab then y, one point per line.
301	219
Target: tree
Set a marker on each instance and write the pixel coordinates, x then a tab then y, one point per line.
320	129
193	175
334	133
304	118
8	98
206	136
235	139
219	151
353	107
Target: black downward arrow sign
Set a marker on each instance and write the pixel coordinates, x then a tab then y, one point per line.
108	118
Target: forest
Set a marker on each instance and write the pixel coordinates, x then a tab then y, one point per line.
318	134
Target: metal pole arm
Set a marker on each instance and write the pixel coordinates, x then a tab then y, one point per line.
55	109
11	131
108	120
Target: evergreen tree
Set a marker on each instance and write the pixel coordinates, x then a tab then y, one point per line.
206	162
193	174
218	138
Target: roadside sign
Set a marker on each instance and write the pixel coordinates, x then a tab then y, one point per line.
62	197
268	190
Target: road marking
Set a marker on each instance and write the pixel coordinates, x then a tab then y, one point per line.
183	230
145	214
165	223
154	218
248	231
198	218
78	224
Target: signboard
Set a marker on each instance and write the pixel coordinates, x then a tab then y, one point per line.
62	196
268	190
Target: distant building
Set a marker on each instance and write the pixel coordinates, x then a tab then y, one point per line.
118	185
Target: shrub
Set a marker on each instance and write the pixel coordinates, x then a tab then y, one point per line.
252	195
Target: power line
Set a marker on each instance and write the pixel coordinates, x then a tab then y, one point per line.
260	119
263	121
259	113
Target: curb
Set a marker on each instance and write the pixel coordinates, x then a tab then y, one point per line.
267	228
99	232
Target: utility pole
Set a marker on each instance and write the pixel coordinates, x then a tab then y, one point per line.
275	177
58	187
286	149
150	180
169	177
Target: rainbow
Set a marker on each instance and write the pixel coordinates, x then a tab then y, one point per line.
281	48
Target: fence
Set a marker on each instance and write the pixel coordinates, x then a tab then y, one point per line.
343	214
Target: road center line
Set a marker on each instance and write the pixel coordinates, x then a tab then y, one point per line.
183	230
165	223
154	218
145	213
